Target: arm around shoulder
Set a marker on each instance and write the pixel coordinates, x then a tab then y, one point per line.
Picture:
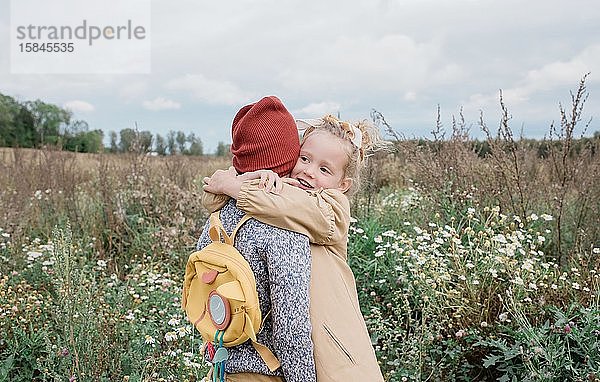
323	216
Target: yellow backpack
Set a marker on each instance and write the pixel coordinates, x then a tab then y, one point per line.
220	297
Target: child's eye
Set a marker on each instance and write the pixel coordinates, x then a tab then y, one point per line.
304	158
325	170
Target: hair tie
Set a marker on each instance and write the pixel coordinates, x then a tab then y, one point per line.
305	124
357	137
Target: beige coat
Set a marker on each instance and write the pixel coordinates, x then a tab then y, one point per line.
343	350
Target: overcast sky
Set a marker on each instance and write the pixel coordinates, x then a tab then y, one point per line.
401	57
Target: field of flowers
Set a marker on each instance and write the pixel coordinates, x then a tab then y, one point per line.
470	267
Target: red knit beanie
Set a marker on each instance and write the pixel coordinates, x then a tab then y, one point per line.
265	136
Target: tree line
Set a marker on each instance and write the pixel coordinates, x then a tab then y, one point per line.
36	124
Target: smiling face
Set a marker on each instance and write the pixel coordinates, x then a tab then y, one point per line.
322	163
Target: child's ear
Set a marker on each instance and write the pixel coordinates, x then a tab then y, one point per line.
345	185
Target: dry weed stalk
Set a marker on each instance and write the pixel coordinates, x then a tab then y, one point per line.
574	171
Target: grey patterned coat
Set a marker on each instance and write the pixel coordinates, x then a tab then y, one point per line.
281	262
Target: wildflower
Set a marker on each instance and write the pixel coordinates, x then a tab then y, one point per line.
500	238
503	317
32	255
527	265
183	331
554	286
518	280
73	378
378	239
470	210
596	251
470	265
170	336
101	263
547	217
576	286
173	321
149	340
533	217
38	195
567	329
483	324
461	333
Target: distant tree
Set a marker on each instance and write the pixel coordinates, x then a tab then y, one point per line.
48	120
222	149
195	145
181	140
127	140
171	146
114	146
144	141
160	145
77	137
16	124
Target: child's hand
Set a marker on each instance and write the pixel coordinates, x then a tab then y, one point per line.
223	182
269	180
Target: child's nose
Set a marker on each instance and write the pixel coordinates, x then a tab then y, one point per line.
309	171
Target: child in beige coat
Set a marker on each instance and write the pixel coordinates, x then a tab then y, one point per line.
313	201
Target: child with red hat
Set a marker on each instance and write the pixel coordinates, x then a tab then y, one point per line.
265	136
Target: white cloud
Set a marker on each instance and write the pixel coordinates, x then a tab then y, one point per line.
315	110
79	106
133	90
161	103
210	91
391	62
410	96
553	77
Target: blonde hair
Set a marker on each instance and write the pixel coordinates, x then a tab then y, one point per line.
357	151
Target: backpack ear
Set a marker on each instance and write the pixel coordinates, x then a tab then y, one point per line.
249	328
232	290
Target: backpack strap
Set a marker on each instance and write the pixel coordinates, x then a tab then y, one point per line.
217	231
239	225
267	355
